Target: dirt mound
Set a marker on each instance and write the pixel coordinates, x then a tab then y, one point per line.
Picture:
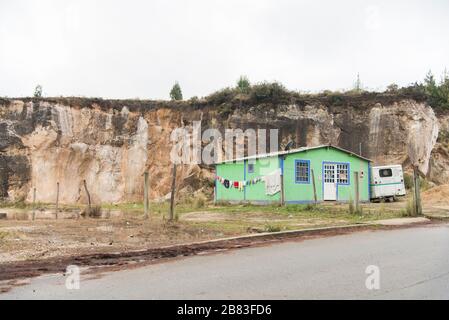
438	194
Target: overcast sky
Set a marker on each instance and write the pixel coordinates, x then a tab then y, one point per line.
130	49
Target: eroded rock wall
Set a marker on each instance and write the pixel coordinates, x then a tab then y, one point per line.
43	142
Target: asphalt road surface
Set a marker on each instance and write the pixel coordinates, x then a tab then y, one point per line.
412	263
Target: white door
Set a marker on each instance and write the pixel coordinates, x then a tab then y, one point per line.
330	182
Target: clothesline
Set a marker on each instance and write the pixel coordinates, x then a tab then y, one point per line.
272	182
227	183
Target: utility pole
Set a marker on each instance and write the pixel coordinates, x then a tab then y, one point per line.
172	198
417	195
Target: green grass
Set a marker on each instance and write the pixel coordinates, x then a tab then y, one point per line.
243	218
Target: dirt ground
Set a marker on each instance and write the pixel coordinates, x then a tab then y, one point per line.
40	239
124	230
437	195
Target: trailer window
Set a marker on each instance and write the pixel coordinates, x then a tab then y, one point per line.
250	167
385	173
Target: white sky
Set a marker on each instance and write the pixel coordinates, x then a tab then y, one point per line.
130	49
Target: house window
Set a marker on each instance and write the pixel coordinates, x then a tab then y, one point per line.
302	171
250	167
343	173
385	173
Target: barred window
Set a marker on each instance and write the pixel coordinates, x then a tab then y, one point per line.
342	173
302	171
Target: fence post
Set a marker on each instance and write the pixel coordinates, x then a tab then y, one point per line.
357	191
172	198
314	187
88	199
57	200
34	204
282	182
145	198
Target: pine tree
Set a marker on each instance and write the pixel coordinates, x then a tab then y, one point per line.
176	93
38	91
243	84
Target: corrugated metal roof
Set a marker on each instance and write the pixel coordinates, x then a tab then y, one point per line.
302	149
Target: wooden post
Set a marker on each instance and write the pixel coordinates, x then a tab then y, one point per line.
282	190
314	187
88	198
57	200
282	182
34	203
417	193
145	196
357	191
172	198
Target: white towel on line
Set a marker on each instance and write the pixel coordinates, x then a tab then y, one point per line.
273	182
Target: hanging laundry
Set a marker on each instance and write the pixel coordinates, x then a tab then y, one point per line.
236	184
273	182
226	183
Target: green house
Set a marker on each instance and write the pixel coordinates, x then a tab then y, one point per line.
294	177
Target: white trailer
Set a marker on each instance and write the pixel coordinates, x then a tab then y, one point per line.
387	182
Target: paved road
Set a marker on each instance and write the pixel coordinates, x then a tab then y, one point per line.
414	264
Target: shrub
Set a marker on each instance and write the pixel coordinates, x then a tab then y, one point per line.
336	99
271	228
310	207
409	209
351	207
393	88
221	96
225	110
408	181
199	202
194	100
93	212
266	92
3	235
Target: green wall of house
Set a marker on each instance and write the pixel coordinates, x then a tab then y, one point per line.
262	167
299	192
293	192
231	171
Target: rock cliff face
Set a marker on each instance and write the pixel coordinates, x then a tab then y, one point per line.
111	143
